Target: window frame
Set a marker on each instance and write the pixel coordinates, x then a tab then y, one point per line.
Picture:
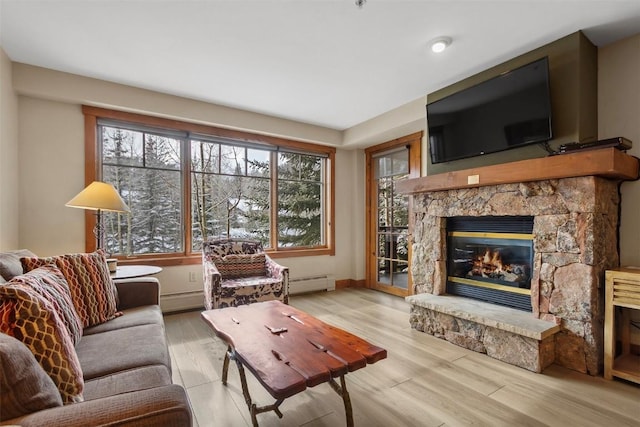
188	256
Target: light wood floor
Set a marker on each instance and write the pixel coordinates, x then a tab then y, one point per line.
423	382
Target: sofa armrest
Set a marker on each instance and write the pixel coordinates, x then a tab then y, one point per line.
167	405
137	292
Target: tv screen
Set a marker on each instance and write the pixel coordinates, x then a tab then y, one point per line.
505	112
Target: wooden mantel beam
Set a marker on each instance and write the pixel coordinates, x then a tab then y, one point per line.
606	162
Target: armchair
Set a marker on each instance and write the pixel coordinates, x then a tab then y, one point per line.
238	272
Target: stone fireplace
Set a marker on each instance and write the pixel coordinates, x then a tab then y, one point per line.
574	233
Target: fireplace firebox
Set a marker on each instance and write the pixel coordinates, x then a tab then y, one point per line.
490	259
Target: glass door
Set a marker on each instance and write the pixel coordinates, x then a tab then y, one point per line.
392	252
388	223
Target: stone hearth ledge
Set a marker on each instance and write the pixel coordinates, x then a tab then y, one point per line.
506	334
504	318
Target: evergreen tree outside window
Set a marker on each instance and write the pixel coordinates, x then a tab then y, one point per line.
145	169
300	201
184	187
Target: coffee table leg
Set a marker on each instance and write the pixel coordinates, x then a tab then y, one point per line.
342	391
245	393
225	366
253	408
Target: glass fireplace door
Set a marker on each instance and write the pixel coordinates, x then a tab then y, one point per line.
491	259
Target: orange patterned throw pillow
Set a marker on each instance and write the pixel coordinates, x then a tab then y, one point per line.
92	290
50	284
29	317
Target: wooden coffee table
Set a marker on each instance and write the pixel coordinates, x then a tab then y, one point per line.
288	350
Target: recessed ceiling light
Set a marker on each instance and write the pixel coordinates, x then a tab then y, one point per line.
440	44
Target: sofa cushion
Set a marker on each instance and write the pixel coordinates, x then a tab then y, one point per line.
24	386
49	282
122	349
240	265
27	316
127	381
92	290
146	315
10	265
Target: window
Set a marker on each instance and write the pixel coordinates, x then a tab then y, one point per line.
230	192
300	200
186	183
145	168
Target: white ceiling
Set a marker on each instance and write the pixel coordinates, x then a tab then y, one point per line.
323	62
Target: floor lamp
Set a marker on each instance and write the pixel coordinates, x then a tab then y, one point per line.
99	196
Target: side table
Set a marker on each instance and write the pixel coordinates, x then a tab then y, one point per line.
622	292
132	271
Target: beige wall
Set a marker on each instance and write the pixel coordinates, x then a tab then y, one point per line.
64	87
350	230
404	120
8	157
619	113
51	163
51	167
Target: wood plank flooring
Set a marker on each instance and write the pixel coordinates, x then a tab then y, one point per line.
424	381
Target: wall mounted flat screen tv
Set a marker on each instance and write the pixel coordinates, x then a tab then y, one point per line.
508	111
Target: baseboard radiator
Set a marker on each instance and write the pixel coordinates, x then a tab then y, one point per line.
181	301
195	299
300	285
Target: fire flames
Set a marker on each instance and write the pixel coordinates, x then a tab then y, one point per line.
490	265
492	259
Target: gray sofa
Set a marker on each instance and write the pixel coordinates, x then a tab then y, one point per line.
125	364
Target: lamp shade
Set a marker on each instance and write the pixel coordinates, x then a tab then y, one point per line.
99	196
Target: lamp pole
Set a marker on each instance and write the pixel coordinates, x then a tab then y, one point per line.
98	230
